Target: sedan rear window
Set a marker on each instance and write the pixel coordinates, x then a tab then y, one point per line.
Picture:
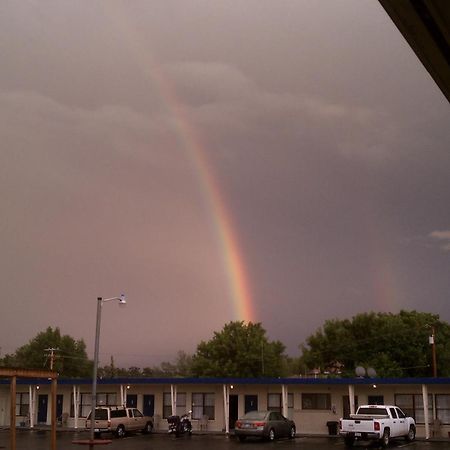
255	415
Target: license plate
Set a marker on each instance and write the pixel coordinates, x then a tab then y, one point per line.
358	434
247	425
96	430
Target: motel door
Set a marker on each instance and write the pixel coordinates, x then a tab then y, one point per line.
233	411
346	406
149	405
59	406
251	403
132	401
42	408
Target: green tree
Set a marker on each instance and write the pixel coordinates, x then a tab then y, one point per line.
183	364
70	357
108	371
395	345
239	350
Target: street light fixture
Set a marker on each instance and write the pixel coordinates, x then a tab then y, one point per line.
100	301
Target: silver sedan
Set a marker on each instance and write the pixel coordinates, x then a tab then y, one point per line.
264	424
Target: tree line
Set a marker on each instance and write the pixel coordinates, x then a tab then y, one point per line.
389	345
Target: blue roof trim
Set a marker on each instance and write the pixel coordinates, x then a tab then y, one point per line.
236	381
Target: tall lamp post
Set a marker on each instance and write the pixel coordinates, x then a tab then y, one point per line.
432	341
100	302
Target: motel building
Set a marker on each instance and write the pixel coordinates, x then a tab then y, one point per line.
315	404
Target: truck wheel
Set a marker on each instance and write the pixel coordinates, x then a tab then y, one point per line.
148	428
411	433
385	438
349	441
120	431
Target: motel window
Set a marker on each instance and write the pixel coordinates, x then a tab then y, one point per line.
443	408
167	404
203	405
412	405
316	401
22	403
274	402
108	399
375	400
84	408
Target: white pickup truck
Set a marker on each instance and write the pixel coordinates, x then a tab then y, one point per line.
377	422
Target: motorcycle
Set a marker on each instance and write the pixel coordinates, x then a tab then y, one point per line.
180	425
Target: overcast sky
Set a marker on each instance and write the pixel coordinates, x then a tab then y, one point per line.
142	141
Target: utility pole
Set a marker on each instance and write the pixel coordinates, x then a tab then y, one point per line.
262	357
52	356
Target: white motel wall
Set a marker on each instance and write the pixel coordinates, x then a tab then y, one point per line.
316	405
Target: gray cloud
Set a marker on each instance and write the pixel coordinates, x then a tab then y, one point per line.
326	138
443	237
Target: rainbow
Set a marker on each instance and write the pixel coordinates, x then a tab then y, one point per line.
226	235
189	140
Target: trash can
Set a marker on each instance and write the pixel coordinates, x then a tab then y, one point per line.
332	428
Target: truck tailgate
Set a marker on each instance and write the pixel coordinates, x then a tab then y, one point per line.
357	425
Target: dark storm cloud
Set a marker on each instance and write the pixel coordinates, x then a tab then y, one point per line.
328	140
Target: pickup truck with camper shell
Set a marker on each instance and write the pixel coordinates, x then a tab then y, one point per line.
377	422
119	420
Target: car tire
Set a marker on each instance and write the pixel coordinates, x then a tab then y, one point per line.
148	428
411	434
385	438
271	435
120	431
292	433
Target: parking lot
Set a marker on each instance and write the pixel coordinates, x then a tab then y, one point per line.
40	440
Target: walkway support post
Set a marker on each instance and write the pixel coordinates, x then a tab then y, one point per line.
173	398
284	400
425	411
12	413
351	397
31	406
53	412
76	402
226	408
